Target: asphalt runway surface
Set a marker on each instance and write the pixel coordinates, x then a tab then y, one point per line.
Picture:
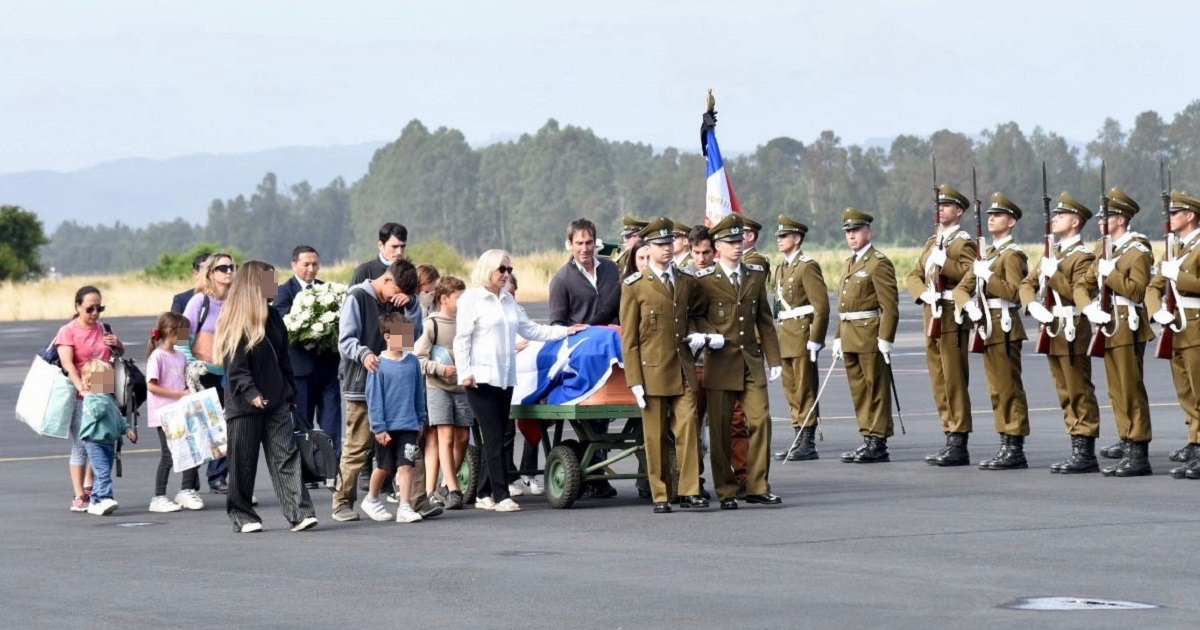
898	545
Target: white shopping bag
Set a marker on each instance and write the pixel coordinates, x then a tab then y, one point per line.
47	400
195	429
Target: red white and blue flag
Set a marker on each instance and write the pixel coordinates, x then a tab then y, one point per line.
719	199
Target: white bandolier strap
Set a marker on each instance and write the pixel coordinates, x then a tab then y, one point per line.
855	315
948	296
1131	311
799	311
1184	301
1066	314
1005	312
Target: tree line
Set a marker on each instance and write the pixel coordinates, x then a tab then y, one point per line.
520	194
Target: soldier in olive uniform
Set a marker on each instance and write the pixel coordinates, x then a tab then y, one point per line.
739	316
630	233
951	253
1179	275
683	252
1064	275
802	310
661	309
998	275
868	314
1126	274
740	438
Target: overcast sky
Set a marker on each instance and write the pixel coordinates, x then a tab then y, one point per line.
86	82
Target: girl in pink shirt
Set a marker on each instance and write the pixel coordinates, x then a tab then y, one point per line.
166	384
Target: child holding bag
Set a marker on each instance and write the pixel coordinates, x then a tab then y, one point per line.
166	368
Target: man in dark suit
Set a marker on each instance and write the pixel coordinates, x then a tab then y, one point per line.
181	299
315	370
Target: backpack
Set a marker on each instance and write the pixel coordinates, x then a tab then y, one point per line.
130	381
318	457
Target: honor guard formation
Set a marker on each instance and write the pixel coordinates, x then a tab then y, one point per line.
704	334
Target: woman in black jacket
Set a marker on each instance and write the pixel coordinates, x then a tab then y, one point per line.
252	344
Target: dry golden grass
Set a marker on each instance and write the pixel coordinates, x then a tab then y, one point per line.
131	295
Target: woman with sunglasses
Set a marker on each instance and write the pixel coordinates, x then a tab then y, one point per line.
485	358
203	311
81	340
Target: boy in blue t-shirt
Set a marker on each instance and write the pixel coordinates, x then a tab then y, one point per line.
396	410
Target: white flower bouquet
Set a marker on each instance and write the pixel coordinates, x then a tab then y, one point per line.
313	321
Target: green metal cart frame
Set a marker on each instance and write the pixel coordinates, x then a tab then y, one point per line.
565	471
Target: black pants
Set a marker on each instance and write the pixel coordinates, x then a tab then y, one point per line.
491	406
191	477
272	431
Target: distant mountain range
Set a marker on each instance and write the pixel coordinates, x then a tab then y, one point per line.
139	191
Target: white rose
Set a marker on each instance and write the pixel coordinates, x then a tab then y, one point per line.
329	317
317	328
308	300
327	299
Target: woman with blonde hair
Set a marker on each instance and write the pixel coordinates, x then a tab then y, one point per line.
487	325
252	345
202	311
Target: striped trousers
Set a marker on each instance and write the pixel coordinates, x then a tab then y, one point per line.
272	430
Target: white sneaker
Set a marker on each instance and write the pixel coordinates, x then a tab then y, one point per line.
189	500
485	503
251	528
535	486
307	523
514	490
162	504
508	505
374	509
405	514
103	507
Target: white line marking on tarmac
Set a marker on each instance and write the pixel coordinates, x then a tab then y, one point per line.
136	451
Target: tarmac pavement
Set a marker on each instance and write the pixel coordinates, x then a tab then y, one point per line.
899	545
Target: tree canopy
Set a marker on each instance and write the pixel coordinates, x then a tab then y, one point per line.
521	194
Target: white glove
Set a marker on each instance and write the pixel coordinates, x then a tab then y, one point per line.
773	373
885	348
937	258
836	349
1104	268
696	341
639	394
1169	268
1048	266
1095	314
1040	313
716	341
1164	317
814	348
929	297
972	310
982	269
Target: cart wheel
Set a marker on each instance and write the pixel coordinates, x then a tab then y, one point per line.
575	446
468	474
563	477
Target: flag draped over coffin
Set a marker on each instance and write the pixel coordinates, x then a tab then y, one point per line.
567	371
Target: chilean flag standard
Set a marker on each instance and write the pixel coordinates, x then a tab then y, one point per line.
719	199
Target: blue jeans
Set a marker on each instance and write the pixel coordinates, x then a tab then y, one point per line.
102	456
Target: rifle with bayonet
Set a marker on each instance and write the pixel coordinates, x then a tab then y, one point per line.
1166	339
933	275
983	328
1045	295
1099	333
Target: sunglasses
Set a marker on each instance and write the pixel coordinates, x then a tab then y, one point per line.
92	310
503	269
225	268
